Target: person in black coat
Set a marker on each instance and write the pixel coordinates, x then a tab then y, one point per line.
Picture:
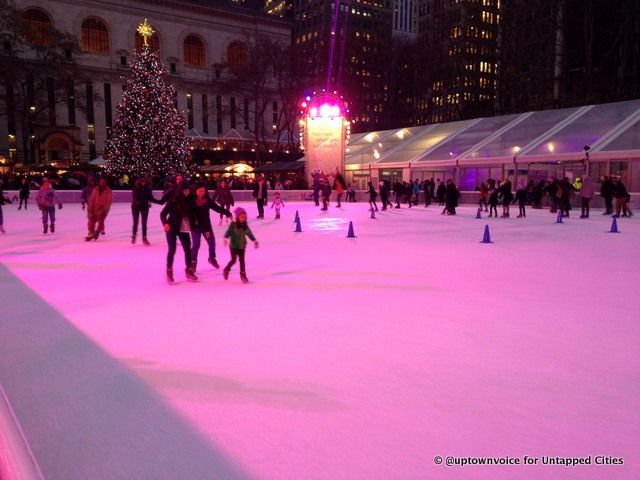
451	198
141	199
565	196
24	193
607	189
506	196
372	197
204	203
521	198
260	194
440	193
179	219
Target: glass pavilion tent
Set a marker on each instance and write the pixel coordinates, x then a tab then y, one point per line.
595	140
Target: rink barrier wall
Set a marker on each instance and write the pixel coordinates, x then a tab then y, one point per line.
17	461
466	198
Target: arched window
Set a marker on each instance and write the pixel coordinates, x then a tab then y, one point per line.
38	27
194	51
154	42
94	36
238	57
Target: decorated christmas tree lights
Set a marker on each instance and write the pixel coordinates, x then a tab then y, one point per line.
149	133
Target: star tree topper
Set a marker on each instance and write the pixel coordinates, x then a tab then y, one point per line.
145	31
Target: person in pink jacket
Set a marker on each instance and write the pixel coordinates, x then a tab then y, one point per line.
99	205
586	194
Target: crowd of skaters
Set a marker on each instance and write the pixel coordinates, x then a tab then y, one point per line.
186	207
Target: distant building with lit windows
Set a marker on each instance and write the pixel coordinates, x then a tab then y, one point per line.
343	43
193	39
460	40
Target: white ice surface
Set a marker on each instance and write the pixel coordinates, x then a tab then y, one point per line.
342	359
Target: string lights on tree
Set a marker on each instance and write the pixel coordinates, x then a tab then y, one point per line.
149	133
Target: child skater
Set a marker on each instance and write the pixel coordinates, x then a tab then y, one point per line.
493	202
521	198
237	234
278	203
204	229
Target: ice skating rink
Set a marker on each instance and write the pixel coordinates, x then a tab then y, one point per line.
349	359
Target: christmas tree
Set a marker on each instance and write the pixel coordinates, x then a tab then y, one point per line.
149	133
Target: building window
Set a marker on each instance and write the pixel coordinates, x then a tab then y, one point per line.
238	57
94	36
205	113
194	51
108	113
190	110
154	41
51	100
219	114
232	108
38	27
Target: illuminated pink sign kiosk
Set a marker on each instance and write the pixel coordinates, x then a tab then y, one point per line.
325	132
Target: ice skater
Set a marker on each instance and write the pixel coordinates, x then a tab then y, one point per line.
98	209
622	199
506	196
24	193
46	199
484	193
204	203
260	194
339	186
237	234
178	219
224	198
86	192
372	197
277	204
3	201
521	198
493	202
586	194
141	199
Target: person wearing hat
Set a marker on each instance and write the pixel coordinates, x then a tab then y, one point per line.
237	234
178	220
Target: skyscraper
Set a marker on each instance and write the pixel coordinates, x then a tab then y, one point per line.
343	43
459	42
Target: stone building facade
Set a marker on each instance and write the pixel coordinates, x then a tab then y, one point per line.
193	39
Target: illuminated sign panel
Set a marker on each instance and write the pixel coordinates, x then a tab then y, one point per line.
325	134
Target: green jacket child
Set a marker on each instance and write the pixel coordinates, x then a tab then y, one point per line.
237	234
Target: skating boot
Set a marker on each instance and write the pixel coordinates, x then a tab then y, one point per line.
45	228
243	277
169	275
194	265
225	274
2	229
53	228
190	275
96	235
145	241
89	237
133	239
213	262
